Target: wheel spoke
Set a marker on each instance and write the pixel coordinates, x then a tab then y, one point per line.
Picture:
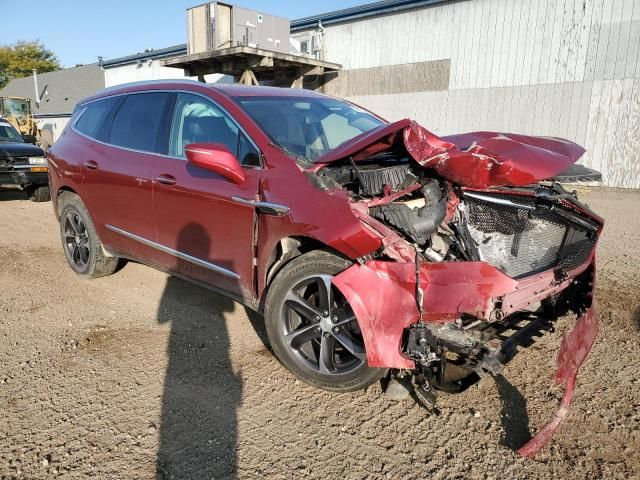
325	295
75	255
302	335
325	359
301	307
82	229
68	227
352	347
84	254
74	223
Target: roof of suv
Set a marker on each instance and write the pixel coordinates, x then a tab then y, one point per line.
225	89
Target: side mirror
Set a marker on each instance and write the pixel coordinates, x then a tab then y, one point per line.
217	158
30	139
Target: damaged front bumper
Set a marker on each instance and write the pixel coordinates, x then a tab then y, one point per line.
382	295
573	351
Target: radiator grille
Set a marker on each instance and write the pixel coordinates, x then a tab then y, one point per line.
522	243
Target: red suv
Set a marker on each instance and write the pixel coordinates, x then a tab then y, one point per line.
369	246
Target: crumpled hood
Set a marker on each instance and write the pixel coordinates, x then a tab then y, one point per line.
476	160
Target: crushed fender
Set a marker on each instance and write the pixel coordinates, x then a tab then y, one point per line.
382	295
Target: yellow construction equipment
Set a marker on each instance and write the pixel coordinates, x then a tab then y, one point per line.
17	111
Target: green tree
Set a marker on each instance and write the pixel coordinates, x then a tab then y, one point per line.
19	60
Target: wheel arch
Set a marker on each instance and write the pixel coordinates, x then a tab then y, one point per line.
285	250
64	190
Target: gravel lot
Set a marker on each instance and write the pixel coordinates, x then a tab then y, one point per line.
140	374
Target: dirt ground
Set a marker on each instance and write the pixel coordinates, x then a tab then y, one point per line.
139	374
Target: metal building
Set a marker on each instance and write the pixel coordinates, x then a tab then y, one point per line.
567	68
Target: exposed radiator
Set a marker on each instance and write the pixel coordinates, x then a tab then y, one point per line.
521	242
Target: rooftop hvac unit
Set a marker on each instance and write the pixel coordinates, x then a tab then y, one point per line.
216	25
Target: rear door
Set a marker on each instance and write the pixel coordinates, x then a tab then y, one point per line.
201	216
118	172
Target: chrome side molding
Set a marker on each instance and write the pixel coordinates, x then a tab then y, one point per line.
268	208
181	255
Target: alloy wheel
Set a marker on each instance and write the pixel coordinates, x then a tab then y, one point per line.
320	327
76	240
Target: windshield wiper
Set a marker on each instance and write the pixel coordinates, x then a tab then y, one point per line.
290	154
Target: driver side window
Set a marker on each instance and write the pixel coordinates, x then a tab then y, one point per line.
198	120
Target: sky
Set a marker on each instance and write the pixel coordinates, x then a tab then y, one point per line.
80	31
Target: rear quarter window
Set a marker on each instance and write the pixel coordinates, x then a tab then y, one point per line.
92	117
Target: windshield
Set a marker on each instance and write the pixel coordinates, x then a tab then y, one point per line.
15	107
9	134
308	127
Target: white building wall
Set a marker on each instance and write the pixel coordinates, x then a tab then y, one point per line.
153	70
53	126
568	68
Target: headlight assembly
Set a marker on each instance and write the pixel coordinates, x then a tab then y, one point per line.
38	161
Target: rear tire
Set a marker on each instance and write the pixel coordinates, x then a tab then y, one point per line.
312	329
39	194
80	242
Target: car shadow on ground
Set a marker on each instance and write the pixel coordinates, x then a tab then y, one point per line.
7	194
257	322
198	426
513	415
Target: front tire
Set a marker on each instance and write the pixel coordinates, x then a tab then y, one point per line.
39	194
80	241
312	328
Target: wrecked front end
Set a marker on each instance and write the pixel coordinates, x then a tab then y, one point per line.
475	243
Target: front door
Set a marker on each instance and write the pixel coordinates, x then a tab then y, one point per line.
201	220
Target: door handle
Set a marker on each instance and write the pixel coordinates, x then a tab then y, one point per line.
166	179
91	165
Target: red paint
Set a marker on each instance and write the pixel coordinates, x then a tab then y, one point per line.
128	195
485	159
196	216
382	295
217	158
573	351
477	159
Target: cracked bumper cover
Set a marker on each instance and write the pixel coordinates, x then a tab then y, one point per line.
382	295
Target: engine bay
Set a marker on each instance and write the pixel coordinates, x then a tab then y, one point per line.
519	232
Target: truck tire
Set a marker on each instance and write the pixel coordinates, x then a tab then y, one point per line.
39	194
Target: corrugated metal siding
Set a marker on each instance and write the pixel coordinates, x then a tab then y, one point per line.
568	68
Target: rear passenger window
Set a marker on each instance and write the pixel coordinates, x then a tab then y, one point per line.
137	122
92	119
